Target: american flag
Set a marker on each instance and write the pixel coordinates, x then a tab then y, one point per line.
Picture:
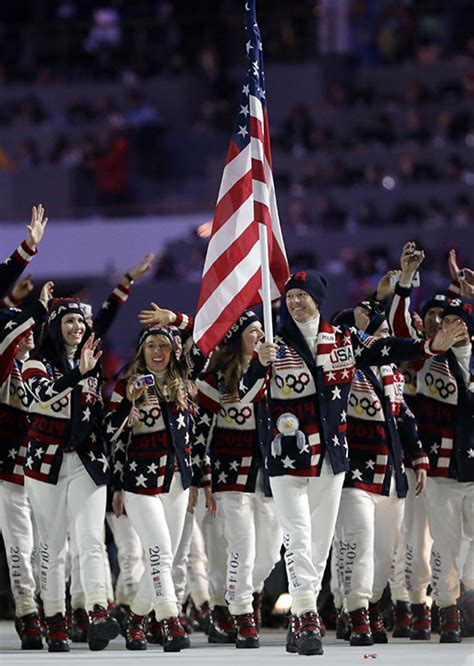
232	277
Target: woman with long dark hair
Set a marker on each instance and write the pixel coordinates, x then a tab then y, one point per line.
66	468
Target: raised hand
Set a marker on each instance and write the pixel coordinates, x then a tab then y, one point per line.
466	282
361	317
37	226
453	264
410	261
384	287
46	293
156	317
142	267
89	355
22	288
449	336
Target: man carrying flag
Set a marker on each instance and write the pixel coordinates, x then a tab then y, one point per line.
246	211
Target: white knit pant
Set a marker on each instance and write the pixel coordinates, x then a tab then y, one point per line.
254	542
180	563
159	521
370	526
197	567
450	507
130	558
216	549
16	522
307	509
75	502
411	567
75	586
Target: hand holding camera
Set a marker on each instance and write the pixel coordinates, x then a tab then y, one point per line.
137	386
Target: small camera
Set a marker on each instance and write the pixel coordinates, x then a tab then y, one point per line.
144	381
416	254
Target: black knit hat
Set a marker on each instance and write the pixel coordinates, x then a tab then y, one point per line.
437	301
166	332
232	337
310	281
62	306
462	309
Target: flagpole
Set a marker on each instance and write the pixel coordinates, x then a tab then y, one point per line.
266	293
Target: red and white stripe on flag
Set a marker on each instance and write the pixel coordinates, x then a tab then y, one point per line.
232	273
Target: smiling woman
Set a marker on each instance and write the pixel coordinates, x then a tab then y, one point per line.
66	469
150	430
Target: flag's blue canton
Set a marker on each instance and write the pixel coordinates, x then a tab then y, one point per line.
255	80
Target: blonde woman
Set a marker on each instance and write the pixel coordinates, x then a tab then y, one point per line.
150	427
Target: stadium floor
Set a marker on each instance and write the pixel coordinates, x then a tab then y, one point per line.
399	652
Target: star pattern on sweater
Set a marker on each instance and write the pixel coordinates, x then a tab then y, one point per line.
50	390
200	439
205	420
91	455
105	463
370	464
234	465
118	467
151	469
356	474
86	416
385	351
12	453
141	480
288	463
39	452
222	478
358	351
217	464
196	460
110	429
133	465
181	421
470	453
434	448
336	393
304	448
343	416
335	441
29	462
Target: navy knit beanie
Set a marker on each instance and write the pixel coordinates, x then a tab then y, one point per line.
437	301
310	281
232	337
